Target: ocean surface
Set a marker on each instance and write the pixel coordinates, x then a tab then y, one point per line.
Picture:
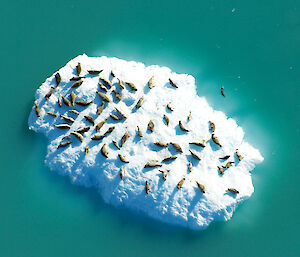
251	48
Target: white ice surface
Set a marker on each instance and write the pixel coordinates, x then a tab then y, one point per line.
186	206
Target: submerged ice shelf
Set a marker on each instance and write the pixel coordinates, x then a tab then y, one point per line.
191	188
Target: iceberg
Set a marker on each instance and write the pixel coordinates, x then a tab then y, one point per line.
144	139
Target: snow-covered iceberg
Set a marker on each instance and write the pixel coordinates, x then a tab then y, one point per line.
180	190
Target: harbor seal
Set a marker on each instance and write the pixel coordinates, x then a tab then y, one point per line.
160	144
59	102
94	72
232	190
131	86
215	140
169	107
164	174
195	155
66	138
72	96
110	129
57	79
224	157
176	147
201	187
166	119
102	87
121	84
47	96
222	91
227	165
78	69
76	84
74	112
83	130
212	126
169	158
238	155
114	117
172	83
147	187
106	83
190	166
190	116
152	164
121	172
86	150
117	95
62	126
201	144
139	103
64	144
180	183
221	170
120	114
182	127
66	102
124	138
78	135
67	119
97	137
151	82
76	78
100	125
100	109
52	114
83	103
104	151
103	97
89	119
37	109
139	132
122	158
151	126
116	144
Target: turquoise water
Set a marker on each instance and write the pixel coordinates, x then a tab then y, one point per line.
250	48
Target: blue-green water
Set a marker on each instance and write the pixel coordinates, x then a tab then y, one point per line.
250	47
